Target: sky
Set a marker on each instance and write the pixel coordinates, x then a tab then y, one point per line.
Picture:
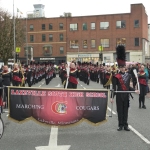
55	8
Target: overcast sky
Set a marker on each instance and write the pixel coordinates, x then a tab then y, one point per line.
55	8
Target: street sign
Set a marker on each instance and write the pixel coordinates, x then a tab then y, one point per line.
100	48
18	49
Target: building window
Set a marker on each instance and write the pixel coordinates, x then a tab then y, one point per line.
31	38
43	26
51	37
47	50
61	50
43	37
93	44
84	26
92	25
105	42
74	44
50	26
136	42
136	23
121	41
73	27
104	25
61	26
120	24
61	37
31	27
85	44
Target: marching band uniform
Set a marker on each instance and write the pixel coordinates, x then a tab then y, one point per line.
121	82
17	76
143	84
72	81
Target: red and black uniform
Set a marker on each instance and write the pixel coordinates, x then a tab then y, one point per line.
17	77
143	85
107	76
72	81
121	82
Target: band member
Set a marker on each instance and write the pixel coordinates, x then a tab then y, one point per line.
17	76
121	82
7	78
72	81
143	85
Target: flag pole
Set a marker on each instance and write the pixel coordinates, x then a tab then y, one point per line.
14	33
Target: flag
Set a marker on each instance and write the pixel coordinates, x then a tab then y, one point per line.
19	11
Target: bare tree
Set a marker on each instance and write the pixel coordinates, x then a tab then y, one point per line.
7	35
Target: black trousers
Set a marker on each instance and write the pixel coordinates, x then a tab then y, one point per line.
122	102
16	83
71	85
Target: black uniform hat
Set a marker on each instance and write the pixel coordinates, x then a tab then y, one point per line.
121	56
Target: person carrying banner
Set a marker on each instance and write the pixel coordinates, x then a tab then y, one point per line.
121	82
72	81
7	79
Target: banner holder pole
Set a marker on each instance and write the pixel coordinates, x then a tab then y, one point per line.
112	104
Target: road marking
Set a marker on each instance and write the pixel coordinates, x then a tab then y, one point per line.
39	85
53	142
139	134
110	110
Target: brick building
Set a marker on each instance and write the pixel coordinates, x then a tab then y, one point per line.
78	38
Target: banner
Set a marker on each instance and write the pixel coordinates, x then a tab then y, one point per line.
57	106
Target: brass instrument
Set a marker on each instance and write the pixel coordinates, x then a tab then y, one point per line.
109	81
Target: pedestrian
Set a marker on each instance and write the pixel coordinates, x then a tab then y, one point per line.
121	82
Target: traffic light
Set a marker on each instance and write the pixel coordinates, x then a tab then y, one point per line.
101	56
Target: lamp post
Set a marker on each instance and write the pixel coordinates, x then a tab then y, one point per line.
14	33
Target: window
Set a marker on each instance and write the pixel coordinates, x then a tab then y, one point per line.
43	37
61	37
61	50
73	27
85	44
50	26
105	42
51	37
121	41
136	42
93	43
84	26
31	27
61	26
92	25
120	24
31	38
74	44
104	25
43	26
136	23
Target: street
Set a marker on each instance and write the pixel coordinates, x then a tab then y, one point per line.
31	135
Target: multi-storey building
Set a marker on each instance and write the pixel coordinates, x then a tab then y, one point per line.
69	38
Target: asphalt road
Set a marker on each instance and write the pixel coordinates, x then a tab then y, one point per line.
84	136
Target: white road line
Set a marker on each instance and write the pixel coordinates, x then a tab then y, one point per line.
53	142
110	110
80	84
139	134
39	85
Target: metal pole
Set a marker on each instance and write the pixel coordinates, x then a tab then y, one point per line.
14	33
78	53
26	40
